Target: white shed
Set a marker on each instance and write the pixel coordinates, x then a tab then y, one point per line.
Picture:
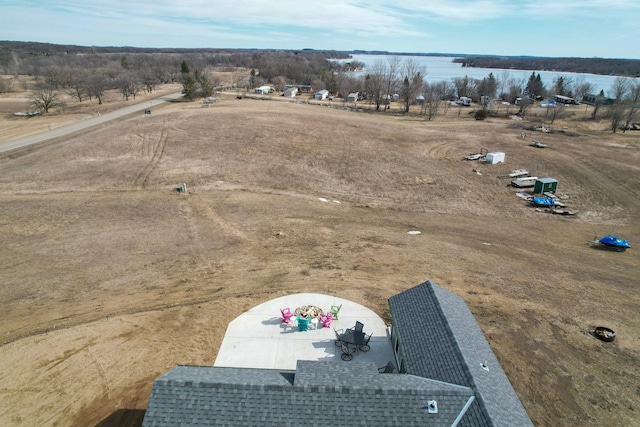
352	97
495	157
321	95
263	90
290	92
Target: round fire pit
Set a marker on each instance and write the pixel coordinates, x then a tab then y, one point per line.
604	334
309	311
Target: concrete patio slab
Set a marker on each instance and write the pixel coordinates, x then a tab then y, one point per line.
259	339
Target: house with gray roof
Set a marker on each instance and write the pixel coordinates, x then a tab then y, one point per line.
447	376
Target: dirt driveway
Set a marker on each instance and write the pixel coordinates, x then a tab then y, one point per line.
110	277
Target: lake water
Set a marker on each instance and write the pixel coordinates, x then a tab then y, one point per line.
441	68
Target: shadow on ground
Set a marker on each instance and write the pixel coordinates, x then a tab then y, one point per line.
123	417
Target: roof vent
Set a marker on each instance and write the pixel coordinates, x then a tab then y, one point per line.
432	407
484	366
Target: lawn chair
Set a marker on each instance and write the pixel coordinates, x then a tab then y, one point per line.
359	326
335	309
387	369
365	345
326	320
338	337
347	352
286	314
303	323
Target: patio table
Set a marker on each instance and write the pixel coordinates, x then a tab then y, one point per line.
352	337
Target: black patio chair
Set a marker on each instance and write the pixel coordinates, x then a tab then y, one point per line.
387	369
359	326
338	336
347	352
365	344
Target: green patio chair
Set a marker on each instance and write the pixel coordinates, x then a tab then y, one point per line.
335	309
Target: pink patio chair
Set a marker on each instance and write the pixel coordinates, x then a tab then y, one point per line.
286	314
326	320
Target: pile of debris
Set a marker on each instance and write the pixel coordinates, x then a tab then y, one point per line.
538	144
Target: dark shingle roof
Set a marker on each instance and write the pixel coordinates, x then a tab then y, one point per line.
208	396
440	339
442	346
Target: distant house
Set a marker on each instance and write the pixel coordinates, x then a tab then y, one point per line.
448	376
290	92
464	101
321	95
591	99
352	97
564	99
263	90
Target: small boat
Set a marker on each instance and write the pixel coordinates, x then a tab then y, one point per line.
611	243
614	242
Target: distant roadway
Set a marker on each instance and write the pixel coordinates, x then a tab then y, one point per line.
65	130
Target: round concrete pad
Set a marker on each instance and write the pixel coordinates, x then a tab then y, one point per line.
259	338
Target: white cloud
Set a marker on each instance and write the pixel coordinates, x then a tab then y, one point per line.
333	24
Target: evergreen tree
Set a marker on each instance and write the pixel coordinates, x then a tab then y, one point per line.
206	86
534	88
190	88
184	68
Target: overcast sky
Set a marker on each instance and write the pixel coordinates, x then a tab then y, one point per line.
580	28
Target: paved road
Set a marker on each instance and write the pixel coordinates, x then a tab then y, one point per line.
25	141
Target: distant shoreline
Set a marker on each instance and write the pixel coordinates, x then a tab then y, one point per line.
600	66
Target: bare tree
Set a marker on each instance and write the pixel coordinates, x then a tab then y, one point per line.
149	79
464	86
516	89
44	99
15	65
5	85
96	86
393	68
525	104
581	87
502	84
434	93
348	84
128	85
77	87
557	112
375	83
634	101
621	86
412	82
279	83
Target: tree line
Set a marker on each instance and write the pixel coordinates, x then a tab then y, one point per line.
603	66
87	73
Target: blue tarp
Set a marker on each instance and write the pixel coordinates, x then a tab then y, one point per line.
543	201
614	241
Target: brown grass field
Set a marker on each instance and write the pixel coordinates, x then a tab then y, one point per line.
110	277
